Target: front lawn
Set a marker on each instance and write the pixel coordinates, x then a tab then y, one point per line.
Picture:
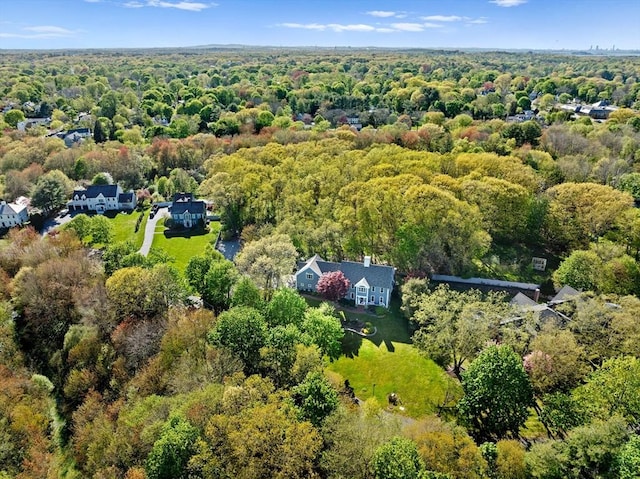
183	247
394	365
124	226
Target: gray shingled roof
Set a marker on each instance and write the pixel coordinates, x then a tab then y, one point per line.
375	274
521	299
108	191
125	197
193	206
10	208
566	293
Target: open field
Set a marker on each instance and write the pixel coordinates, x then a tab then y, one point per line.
124	225
183	247
387	362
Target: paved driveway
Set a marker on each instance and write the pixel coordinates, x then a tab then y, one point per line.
229	249
150	230
52	223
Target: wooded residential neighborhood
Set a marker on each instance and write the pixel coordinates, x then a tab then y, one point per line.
319	263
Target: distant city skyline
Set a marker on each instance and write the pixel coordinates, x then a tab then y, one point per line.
495	24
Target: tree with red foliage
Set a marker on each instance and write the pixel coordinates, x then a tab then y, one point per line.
333	285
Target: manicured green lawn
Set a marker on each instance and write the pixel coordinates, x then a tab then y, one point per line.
182	248
125	225
389	360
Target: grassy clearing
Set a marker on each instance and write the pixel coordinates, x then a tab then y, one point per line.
389	360
124	225
182	248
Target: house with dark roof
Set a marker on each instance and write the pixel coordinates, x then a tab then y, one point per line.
542	311
12	214
369	284
101	198
187	212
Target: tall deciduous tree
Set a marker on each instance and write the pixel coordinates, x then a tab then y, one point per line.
315	398
242	331
267	261
333	285
324	330
497	394
397	459
454	326
51	191
581	212
286	307
171	452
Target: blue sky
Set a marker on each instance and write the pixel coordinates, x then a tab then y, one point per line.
501	24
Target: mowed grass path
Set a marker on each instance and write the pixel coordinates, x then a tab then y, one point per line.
124	226
182	248
393	364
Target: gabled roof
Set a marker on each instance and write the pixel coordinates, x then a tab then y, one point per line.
312	264
191	206
566	293
521	299
375	274
11	208
93	191
363	282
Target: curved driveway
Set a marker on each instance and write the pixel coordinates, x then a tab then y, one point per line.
150	230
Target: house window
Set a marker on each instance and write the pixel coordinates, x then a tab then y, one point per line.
381	300
309	286
362	289
373	288
352	295
382	290
373	299
353	286
309	276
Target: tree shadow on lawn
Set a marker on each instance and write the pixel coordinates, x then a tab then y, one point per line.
390	329
184	233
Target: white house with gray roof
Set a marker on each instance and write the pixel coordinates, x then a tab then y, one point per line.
12	214
101	198
369	284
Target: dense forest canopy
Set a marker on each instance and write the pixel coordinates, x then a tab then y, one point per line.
434	162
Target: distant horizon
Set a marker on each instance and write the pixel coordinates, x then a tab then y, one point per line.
238	46
501	25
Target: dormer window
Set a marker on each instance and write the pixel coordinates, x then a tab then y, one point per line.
309	276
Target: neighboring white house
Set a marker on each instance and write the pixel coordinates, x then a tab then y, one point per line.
101	198
12	214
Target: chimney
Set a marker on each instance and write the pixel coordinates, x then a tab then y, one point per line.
367	261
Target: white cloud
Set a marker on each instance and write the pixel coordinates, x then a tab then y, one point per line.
305	26
362	27
49	30
442	18
189	6
381	13
408	27
508	3
40	31
336	27
477	21
93	1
